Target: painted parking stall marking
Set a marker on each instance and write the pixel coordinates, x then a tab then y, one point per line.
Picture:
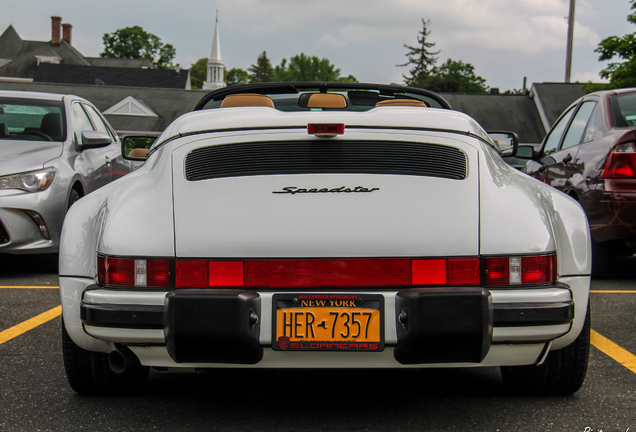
31	323
614	351
609	348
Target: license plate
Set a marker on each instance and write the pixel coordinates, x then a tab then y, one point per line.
328	322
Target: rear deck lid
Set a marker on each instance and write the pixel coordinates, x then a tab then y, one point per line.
285	199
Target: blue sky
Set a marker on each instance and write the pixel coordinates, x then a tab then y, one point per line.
505	40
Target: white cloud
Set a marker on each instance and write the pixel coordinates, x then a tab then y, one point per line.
504	39
587	76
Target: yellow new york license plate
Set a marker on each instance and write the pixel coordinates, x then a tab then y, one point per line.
328	322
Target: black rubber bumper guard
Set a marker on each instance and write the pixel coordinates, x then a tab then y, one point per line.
434	325
219	326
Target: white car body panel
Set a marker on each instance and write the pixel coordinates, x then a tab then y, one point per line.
395	220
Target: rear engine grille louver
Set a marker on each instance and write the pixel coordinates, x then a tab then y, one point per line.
342	157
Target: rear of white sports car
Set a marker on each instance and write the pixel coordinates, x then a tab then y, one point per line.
256	238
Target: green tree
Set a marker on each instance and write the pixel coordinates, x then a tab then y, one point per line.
420	57
455	77
348	78
135	43
198	73
304	68
236	76
621	52
262	71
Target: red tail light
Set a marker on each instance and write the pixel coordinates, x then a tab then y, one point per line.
325	129
116	271
134	272
621	162
327	272
203	273
527	270
451	271
315	273
192	274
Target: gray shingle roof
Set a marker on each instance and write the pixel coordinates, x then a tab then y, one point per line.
516	113
23	53
111	76
554	98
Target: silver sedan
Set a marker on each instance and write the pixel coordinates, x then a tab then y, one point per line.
54	149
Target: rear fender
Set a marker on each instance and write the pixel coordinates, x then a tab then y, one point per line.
78	264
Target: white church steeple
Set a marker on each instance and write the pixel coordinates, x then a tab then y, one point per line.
215	64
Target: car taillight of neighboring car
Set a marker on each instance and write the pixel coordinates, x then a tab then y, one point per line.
621	162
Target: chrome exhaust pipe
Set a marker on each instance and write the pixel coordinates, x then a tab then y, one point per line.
122	359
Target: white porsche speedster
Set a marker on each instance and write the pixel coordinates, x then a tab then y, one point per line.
325	226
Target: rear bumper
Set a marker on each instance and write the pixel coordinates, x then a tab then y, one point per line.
466	326
614	217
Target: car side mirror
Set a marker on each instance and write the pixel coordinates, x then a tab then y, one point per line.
136	147
506	142
525	152
94	139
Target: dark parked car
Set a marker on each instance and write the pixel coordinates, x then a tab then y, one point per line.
590	154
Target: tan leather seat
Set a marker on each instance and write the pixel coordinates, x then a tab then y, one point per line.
402	102
327	100
246	100
138	153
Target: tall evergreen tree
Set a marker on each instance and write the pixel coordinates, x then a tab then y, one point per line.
262	71
421	57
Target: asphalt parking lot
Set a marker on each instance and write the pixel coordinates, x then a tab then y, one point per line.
34	394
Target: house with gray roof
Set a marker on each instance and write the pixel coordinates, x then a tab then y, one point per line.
57	61
112	76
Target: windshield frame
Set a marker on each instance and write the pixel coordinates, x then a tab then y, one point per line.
288	96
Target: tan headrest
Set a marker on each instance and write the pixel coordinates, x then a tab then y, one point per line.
326	100
246	100
401	102
138	153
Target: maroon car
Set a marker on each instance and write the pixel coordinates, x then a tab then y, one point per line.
590	154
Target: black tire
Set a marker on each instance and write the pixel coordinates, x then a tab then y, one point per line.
562	373
88	373
74	196
601	257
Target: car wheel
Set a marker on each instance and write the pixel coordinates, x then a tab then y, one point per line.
562	372
88	372
73	198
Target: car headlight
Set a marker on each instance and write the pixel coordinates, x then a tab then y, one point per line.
32	181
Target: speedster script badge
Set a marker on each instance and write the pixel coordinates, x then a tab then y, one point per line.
293	190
